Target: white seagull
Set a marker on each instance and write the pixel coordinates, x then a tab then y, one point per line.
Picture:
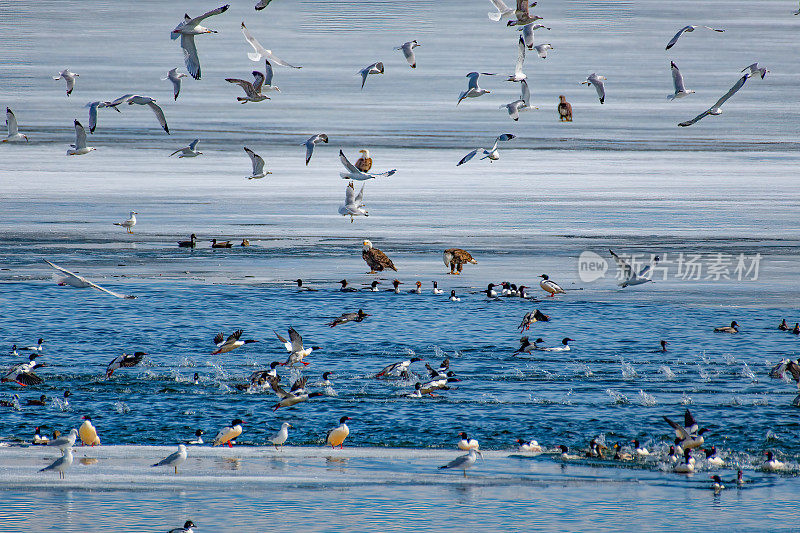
189	151
79	148
258	165
492	154
756	70
93	107
518	74
716	109
311	142
128	224
353	205
677	81
375	68
354	174
13	130
61	465
187	30
473	91
268	74
65	441
69	77
175	79
260	51
252	89
464	461
527	33
131	99
408	52
597	81
74	280
630	277
175	459
524	102
542	49
279	439
688	29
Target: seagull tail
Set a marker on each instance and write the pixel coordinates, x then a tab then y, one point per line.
254	56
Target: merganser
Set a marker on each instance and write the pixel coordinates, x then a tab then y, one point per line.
689	435
467	443
440	383
521	292
772	464
436	289
717	485
550	286
187	528
526	346
42	401
61	465
417	391
641	451
733	328
463	462
345	288
620	455
65	401
398	368
88	433
22	373
349	317
196	379
336	436
440	372
14	352
37	348
565	456
198	438
511	291
505	288
678	447
687	466
490	292
783	326
295	348
279	439
396	284
529	446
297	394
595	449
663	346
373	287
231	343
712	458
301	287
191	243
563	348
13	402
39	439
175	459
531	317
672	457
453	297
64	441
124	361
326	382
417	289
228	433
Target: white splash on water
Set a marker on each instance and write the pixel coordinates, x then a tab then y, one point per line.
648	400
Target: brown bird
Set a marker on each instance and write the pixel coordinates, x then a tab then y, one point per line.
456	258
564	109
376	259
364	162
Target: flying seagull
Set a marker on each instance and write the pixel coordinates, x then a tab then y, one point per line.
527	33
175	79
69	77
252	89
258	165
408	52
631	277
189	151
524	102
597	81
260	51
542	49
473	91
518	74
523	15
375	68
268	74
354	174
756	70
492	154
13	130
716	109
131	99
353	205
187	30
93	107
688	29
503	11
262	4
79	148
311	142
677	81
74	280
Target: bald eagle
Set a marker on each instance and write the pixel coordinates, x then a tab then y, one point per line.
564	109
376	259
455	258
364	162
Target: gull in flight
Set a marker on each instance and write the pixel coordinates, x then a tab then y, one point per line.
353	205
716	109
523	15
527	33
262	4
141	100
175	78
408	51
260	51
375	68
187	30
503	11
354	174
473	91
677	81
258	165
74	280
629	276
268	78
128	224
93	107
13	130
756	70
542	49
311	142
516	106
252	90
597	81
189	151
69	77
518	74
688	29
79	148
491	154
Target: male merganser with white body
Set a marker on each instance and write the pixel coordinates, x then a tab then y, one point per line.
772	464
453	297
345	288
400	368
490	292
297	394
326	382
417	289
563	348
228	433
65	441
717	485
463	462
175	459
22	373
687	466
467	443
440	372
88	433
689	435
436	289
712	458
565	455
336	436
417	391
198	438
188	527
373	287
39	439
231	343
295	348
531	317
301	287
672	456
550	286
529	446
440	383
61	465
733	328
641	451
124	361
279	439
38	348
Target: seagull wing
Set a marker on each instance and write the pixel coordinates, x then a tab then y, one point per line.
522	10
347	164
677	79
408	52
244	84
11	122
520	56
86	281
714	29
309	149
190	55
527	35
193	144
364	73
93	115
696	119
258	162
268	73
468	157
525	95
678	36
259	50
197	20
159	115
80	136
501	10
473	80
733	90
360	196
622	265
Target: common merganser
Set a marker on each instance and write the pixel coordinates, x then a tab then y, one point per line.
663	346
463	462
440	372
531	317
297	394
188	527
717	485
373	287
620	455
733	328
526	346
37	348
783	326
22	373
88	433
453	297
14	352
689	434
301	287
398	368
436	289
196	379
175	459
440	383
596	449
563	348
228	433
467	443
231	343
61	465
65	401
279	439
417	289
295	348
349	317
345	288
550	286
41	402
672	456
687	466
124	361
198	438
417	391
521	293
640	451
490	292
565	455
712	458
772	464
39	439
529	446
336	436
326	382
63	442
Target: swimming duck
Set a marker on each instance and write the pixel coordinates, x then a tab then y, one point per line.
191	243
712	458
685	467
228	433
531	317
595	449
417	289
529	446
439	383
663	346
188	527
42	401
336	436
345	288
783	326
550	286
436	289
231	343
672	456
620	455
467	443
14	352
796	328
221	244
245	242
417	393
733	328
772	464
565	455
453	297
563	348
301	287
717	485
640	451
38	348
198	437
396	284
490	292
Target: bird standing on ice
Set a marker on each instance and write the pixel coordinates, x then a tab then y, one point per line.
175	459
228	433
463	462
128	224
550	286
337	435
88	433
61	465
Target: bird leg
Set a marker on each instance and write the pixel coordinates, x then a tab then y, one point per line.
230	445
176	469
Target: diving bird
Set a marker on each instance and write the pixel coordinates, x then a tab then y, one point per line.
295	348
518	74
597	81
188	526
456	258
677	81
79	148
189	151
465	461
124	361
88	432
716	109
313	141
756	70
564	109
175	78
531	317
491	154
503	11
258	165
550	286
375	68
629	277
357	316
541	49
523	15
375	259
297	394
13	129
279	438
473	91
74	280
227	434
61	465
69	77
129	223
231	343
336	436
364	163
408	52
137	99
353	203
353	173
22	373
252	90
687	29
259	51
186	30
523	102
175	459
